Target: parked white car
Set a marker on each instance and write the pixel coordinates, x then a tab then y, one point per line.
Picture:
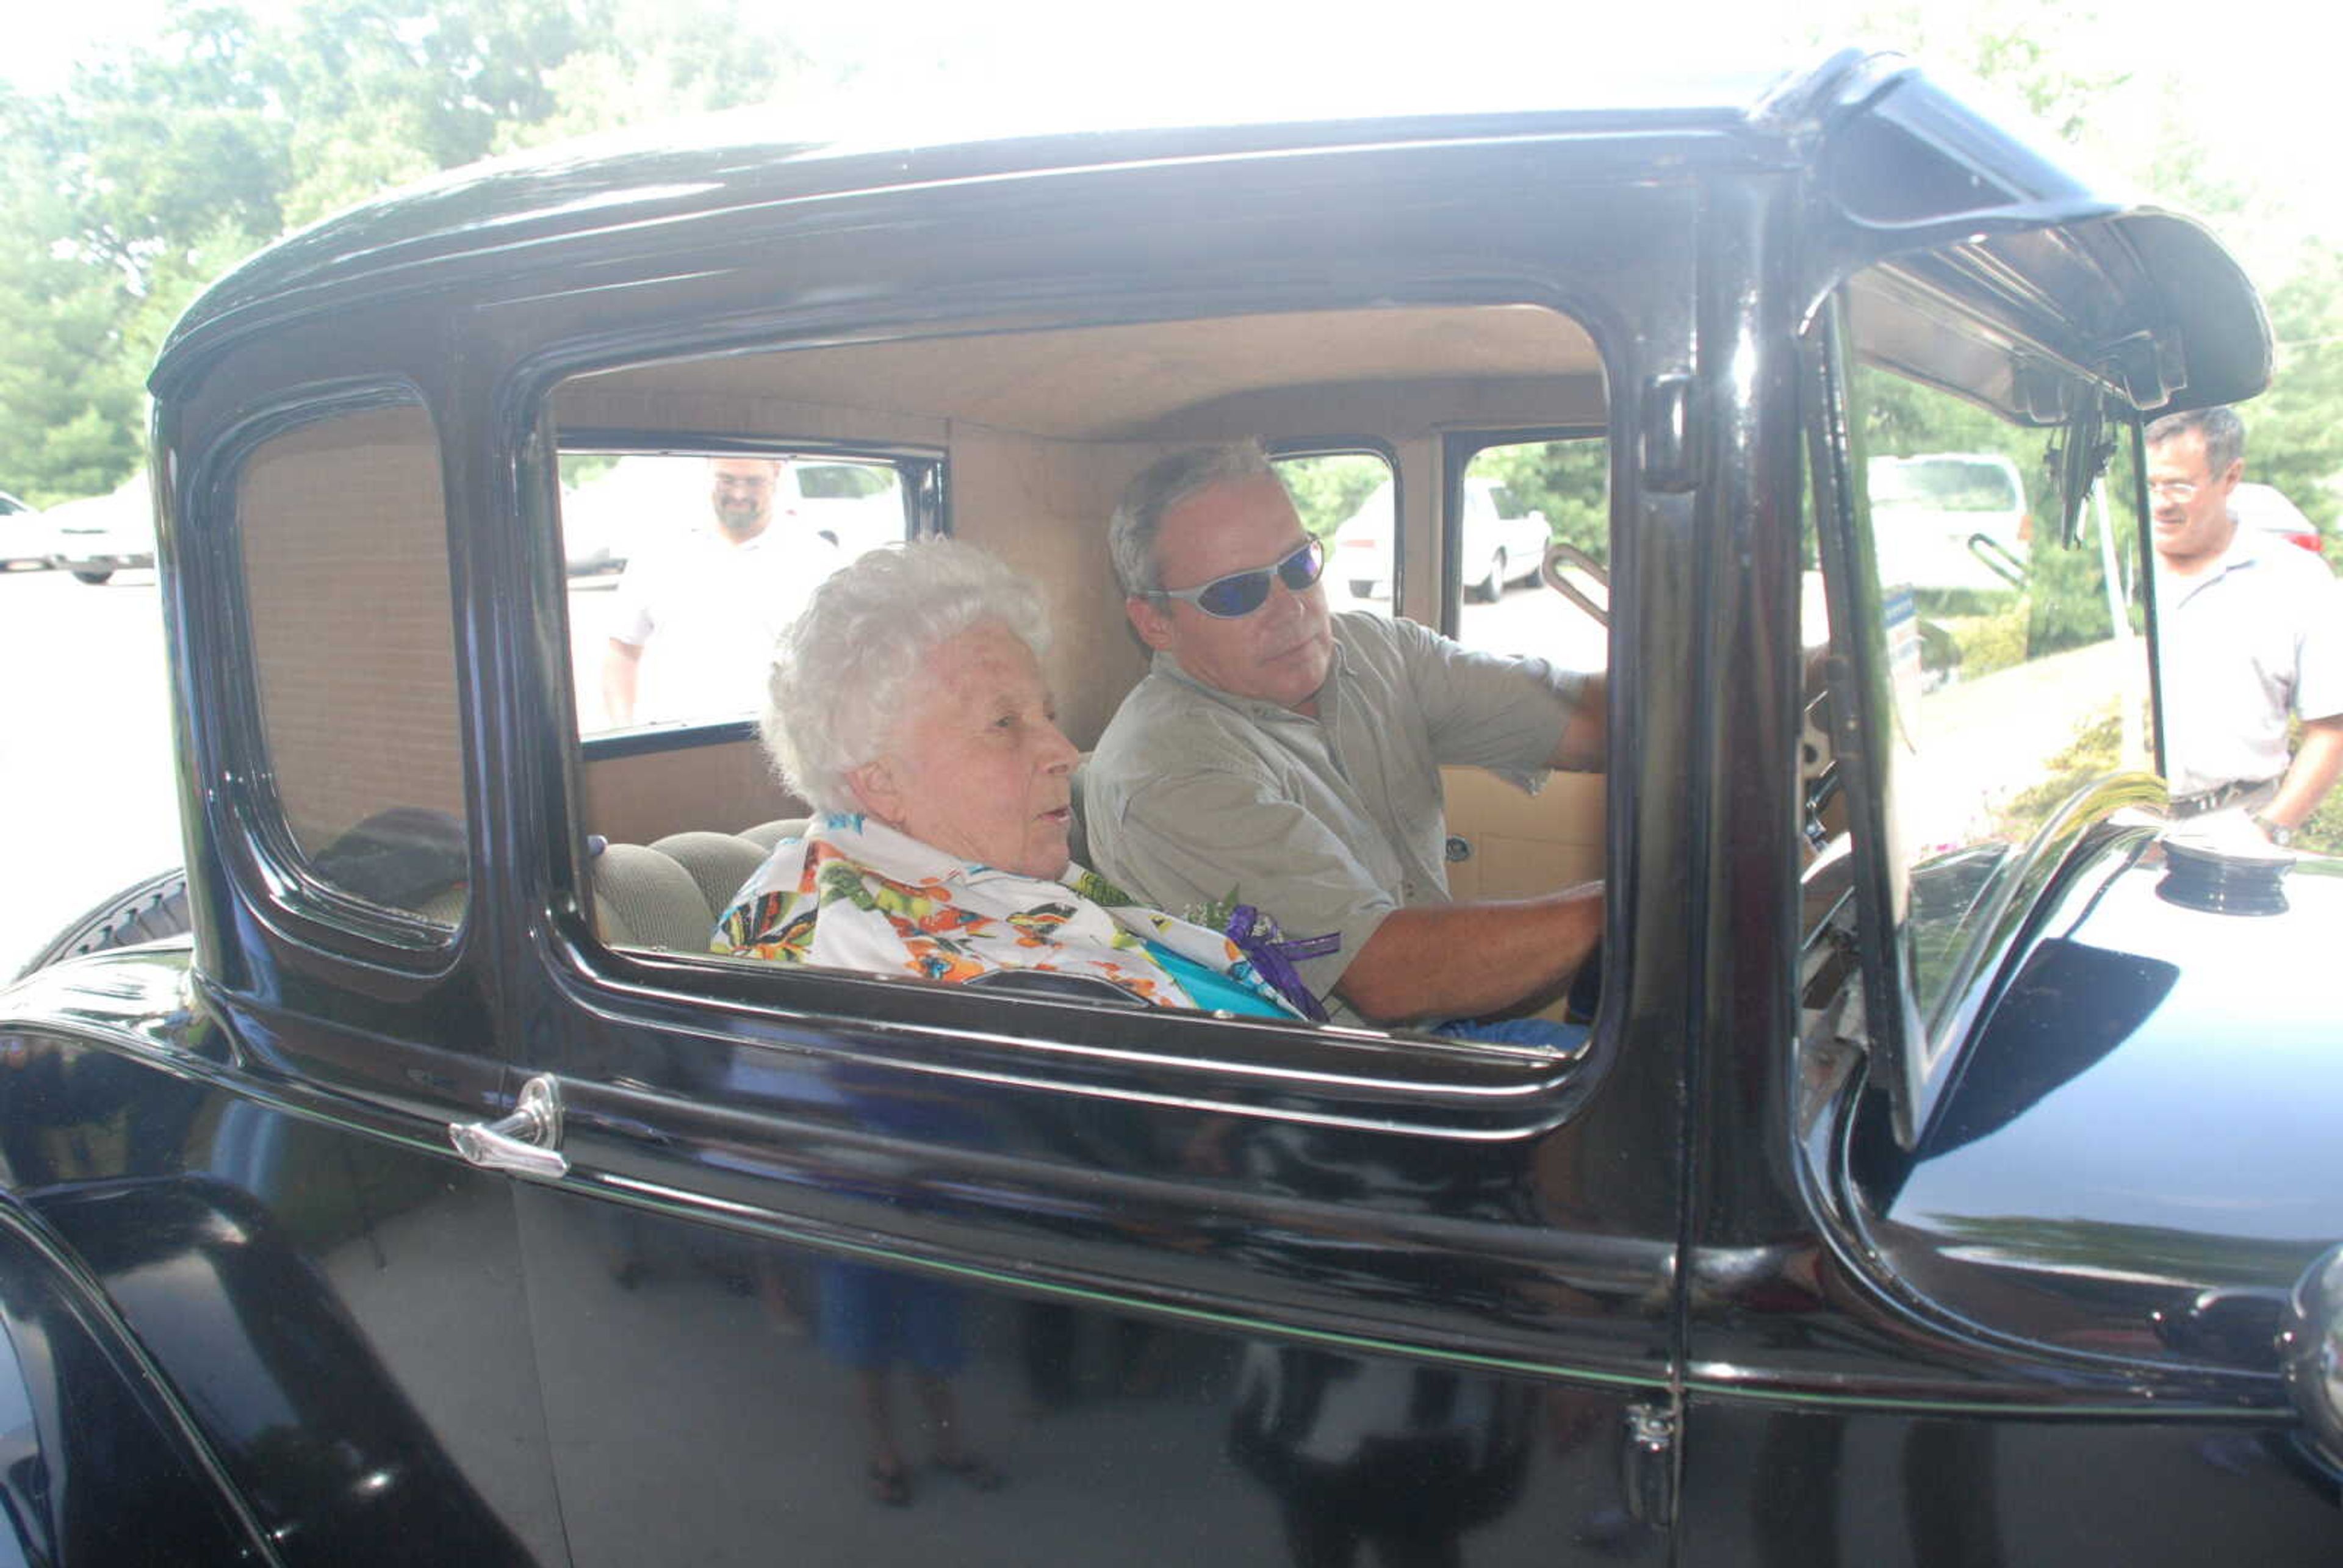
94	539
26	542
1950	520
2266	508
1504	542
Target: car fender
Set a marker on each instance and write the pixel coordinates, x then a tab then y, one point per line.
88	1426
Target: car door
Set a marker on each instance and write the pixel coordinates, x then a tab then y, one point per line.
247	1150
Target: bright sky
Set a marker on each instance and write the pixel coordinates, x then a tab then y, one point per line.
2264	121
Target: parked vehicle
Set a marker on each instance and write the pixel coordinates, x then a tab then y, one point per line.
1949	1176
94	539
1500	542
25	538
2267	508
1951	520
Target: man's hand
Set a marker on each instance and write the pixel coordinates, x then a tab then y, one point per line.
1432	962
2317	765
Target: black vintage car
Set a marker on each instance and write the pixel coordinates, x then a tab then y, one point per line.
1950	1175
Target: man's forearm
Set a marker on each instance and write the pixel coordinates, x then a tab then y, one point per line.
621	663
1432	962
1584	746
2318	763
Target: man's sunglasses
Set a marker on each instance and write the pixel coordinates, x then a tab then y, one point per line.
1241	593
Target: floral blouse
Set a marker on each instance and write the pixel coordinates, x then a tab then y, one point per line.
854	894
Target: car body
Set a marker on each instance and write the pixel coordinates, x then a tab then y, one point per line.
1951	1146
2266	508
1951	520
25	538
95	537
1504	542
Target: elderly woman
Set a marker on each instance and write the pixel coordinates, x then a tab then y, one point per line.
907	706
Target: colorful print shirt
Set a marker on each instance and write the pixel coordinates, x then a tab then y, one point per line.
854	894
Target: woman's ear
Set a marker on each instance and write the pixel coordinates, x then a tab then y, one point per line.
877	787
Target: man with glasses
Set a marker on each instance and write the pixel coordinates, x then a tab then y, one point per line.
1283	759
2252	629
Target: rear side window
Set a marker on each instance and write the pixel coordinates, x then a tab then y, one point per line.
1520	500
343	527
1347	499
685	567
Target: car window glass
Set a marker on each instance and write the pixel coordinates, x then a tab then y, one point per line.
1346	499
344	532
683	567
2018	665
1519	498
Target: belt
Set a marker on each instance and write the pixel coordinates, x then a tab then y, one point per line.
2245	792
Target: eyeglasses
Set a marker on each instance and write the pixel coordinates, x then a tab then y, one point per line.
2174	489
1239	594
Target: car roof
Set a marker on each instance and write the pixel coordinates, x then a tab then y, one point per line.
2259	506
2040	252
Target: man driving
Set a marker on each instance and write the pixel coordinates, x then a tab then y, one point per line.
1280	756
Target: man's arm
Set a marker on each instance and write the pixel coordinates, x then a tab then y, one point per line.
1432	962
2318	763
622	663
1585	742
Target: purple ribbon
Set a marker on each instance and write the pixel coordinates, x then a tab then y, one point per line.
1258	938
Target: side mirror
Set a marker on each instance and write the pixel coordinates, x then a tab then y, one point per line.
2312	1349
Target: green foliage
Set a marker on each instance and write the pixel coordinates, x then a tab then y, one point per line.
124	195
1327	488
1568	480
2294	432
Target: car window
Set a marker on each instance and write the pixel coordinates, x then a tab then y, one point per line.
683	566
1347	499
673	822
342	523
1520	499
2017	665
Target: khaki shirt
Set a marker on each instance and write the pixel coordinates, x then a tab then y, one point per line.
1196	801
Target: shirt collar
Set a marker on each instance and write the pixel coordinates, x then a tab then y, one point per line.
895	854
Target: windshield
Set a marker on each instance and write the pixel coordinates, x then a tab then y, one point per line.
2016	666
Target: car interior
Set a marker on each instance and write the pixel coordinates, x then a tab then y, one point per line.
1037	431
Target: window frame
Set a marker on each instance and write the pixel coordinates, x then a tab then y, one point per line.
1457	450
1483	1082
266	856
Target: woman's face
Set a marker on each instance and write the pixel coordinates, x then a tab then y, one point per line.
977	766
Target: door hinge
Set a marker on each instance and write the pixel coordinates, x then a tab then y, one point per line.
1648	1464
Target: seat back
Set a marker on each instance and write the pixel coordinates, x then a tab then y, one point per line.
668	895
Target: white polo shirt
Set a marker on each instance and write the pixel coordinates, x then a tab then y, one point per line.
2258	637
706	611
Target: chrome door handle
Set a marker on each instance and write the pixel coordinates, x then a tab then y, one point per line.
527	1143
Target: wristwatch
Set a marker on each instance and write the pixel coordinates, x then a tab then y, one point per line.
2277	833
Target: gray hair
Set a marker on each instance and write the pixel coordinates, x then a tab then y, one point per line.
844	669
1162	485
2224	433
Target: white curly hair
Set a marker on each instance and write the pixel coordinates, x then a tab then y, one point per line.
843	669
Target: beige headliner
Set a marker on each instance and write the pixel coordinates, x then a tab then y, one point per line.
1129	382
